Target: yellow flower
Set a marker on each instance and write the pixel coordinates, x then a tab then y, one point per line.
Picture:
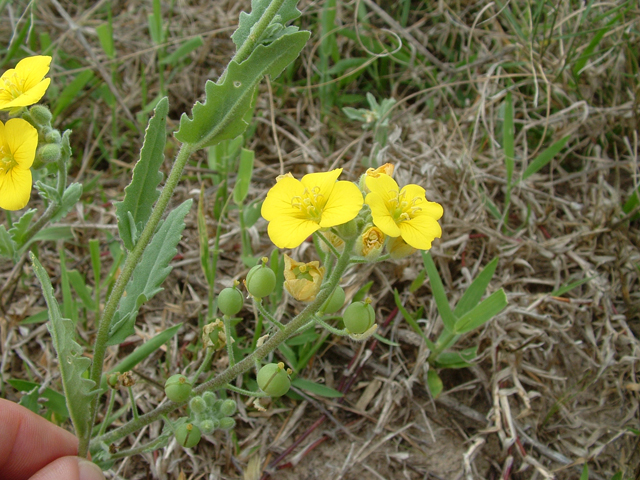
403	213
398	248
24	85
18	143
302	280
370	243
386	169
297	208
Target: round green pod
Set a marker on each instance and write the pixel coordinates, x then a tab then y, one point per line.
188	435
274	380
260	281
335	301
230	301
359	317
177	388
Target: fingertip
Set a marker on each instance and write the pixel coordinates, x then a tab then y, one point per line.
69	468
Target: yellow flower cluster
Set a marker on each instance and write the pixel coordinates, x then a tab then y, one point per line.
19	87
297	208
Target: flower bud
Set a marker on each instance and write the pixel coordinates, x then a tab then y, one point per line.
274	380
47	153
177	388
41	115
209	398
334	240
260	281
398	248
113	380
348	230
188	435
230	301
370	243
386	169
197	405
228	408
53	136
359	317
227	423
302	280
207	427
335	301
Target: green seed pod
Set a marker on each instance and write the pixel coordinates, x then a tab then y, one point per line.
227	423
197	404
207	427
188	435
260	281
228	408
113	379
359	317
335	301
230	301
177	388
274	380
210	398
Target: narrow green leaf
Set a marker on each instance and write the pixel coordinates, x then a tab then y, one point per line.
220	116
418	281
142	192
80	286
141	353
460	359
585	472
448	318
17	41
588	52
51	234
305	337
149	273
570	286
105	35
545	157
476	290
316	388
508	137
286	13
78	390
434	382
252	213
617	476
71	92
39	317
69	199
482	313
410	320
182	51
7	245
386	341
55	400
203	237
243	180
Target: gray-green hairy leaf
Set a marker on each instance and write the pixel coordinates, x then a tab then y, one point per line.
69	198
220	116
77	389
141	194
7	245
286	13
149	273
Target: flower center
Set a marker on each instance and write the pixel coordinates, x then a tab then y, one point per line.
402	209
7	162
13	85
310	203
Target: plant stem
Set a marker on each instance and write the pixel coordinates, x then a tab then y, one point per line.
248	362
242	391
133	258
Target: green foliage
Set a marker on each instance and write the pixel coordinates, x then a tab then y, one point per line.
316	388
77	389
220	116
54	402
149	273
141	194
286	13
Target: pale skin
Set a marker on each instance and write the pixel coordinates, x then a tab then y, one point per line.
32	448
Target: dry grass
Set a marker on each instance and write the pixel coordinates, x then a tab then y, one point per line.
555	383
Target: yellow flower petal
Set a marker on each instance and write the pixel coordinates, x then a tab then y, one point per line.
22	139
15	188
420	231
381	215
33	69
383	185
24	85
289	232
278	201
324	181
342	206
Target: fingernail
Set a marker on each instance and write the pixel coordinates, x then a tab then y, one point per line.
89	471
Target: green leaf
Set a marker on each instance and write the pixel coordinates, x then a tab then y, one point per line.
305	337
460	359
51	234
69	199
316	388
149	273
105	35
475	292
79	285
286	13
7	245
71	92
434	382
482	313
78	391
141	353
182	51
55	400
410	320
585	472
142	192
570	286
507	137
220	116
448	318
20	228
545	157
252	213
243	180
418	281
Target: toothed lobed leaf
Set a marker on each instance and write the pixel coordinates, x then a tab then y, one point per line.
78	390
142	193
286	13
7	245
149	274
220	116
